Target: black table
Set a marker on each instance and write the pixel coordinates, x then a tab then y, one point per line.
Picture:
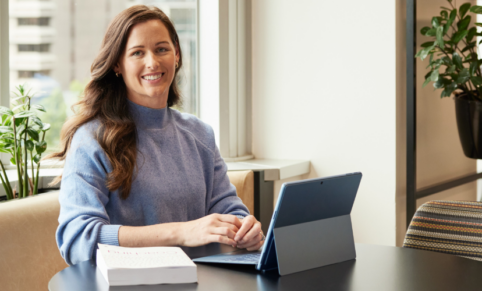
381	268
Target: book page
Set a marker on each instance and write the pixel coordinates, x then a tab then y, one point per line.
154	257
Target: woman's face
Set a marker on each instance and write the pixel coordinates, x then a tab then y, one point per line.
148	64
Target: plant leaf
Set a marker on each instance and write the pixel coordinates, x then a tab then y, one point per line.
6	129
444	14
431	32
24	114
41	147
476	9
426	82
39	107
33	134
12	160
440	36
5	110
424	30
459	35
477	81
36	159
463	9
464	23
427	44
434	75
457	60
30	145
435	21
463	77
450	69
471	34
46	126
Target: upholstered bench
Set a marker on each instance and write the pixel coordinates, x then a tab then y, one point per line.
451	227
29	256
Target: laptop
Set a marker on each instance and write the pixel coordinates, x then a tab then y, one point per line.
310	227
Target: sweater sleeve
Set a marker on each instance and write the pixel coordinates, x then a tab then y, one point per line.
224	199
83	220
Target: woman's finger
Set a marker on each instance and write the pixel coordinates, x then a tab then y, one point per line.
222	239
223	230
251	243
228	225
229	219
248	222
252	233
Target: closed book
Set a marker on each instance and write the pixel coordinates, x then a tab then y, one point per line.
145	266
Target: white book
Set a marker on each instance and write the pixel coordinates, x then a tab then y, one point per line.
145	266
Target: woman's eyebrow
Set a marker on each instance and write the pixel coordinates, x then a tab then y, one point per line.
141	46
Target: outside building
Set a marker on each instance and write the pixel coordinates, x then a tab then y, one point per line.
53	44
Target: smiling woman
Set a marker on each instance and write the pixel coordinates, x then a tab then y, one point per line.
138	173
149	64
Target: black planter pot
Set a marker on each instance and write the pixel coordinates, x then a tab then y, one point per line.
469	124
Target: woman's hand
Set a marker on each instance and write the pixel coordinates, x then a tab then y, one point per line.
220	228
249	235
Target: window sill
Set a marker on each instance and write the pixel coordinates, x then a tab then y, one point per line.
273	169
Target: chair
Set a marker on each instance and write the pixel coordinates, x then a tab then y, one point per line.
451	227
29	256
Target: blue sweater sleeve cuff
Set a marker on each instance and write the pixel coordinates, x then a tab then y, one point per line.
108	235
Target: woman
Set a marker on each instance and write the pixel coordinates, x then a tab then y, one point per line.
138	173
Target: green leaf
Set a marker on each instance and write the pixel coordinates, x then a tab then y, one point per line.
30	145
426	82
435	21
478	24
424	52
36	159
39	107
477	81
468	47
427	44
431	32
12	160
19	121
450	69
440	36
434	75
46	126
444	14
5	129
464	23
463	77
449	89
5	110
463	9
36	121
457	60
459	35
439	84
476	9
41	147
473	68
24	114
471	34
424	30
33	134
3	150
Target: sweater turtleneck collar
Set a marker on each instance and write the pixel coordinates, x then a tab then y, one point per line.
149	118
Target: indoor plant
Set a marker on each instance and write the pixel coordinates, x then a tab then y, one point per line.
455	68
22	135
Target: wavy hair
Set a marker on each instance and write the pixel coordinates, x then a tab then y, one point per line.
105	100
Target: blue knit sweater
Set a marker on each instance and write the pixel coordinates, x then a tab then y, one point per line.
181	176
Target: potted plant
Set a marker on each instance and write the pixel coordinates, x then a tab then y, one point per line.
455	69
22	135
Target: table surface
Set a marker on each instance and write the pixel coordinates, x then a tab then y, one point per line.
376	268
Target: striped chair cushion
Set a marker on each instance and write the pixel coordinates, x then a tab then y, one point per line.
452	227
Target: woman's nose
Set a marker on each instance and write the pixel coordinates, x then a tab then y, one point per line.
151	61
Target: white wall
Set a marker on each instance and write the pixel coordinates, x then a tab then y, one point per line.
324	89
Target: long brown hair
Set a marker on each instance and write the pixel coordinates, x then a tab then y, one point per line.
105	100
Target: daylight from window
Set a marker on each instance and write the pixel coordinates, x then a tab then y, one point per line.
53	44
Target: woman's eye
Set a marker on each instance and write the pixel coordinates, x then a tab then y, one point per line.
162	50
136	54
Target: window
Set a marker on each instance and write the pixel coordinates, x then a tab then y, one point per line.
32	74
42	48
54	59
39	21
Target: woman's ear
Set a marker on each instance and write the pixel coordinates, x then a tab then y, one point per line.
177	53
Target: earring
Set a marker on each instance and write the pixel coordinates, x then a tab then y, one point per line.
177	65
117	75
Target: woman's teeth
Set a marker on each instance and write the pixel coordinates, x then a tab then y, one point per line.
152	77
